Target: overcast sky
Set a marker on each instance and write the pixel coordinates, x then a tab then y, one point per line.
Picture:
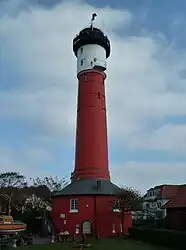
146	87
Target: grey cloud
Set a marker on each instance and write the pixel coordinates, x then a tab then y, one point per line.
144	175
144	84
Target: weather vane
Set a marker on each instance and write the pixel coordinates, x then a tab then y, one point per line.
94	15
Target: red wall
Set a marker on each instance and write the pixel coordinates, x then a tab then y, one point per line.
176	219
103	219
91	160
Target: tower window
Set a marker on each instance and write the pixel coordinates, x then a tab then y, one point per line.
95	59
81	62
81	50
74	205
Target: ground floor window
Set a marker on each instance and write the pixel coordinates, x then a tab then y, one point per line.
74	204
116	206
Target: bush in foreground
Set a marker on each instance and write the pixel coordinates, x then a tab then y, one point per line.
174	239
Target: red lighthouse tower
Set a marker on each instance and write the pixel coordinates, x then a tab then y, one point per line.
92	48
86	205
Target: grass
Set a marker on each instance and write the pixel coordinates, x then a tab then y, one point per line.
109	244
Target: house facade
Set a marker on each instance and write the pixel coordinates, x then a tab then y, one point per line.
91	212
176	211
155	198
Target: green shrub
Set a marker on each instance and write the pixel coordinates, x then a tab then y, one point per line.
149	223
160	237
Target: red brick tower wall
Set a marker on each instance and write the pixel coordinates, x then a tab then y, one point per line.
91	159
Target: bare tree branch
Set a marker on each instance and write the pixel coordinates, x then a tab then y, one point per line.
127	199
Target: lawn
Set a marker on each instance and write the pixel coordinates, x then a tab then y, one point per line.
111	244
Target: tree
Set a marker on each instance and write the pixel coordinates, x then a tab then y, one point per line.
10	185
52	183
46	186
127	199
12	179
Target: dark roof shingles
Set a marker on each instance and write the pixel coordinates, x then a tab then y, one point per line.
88	187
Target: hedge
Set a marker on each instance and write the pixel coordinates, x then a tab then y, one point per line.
168	238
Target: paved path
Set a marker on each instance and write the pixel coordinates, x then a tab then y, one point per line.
39	240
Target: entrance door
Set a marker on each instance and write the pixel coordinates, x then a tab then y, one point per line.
86	227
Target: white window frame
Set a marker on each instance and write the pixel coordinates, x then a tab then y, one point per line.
115	209
74	205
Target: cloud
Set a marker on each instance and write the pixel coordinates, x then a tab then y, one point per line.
38	45
144	175
146	87
37	154
9	161
141	79
169	137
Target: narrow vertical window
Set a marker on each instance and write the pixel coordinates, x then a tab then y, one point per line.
113	228
116	204
116	207
74	205
81	50
81	62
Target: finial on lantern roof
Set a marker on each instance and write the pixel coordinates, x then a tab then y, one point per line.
94	15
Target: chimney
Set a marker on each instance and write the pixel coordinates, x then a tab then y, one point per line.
98	186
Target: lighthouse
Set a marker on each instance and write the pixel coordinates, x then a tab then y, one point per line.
85	206
92	48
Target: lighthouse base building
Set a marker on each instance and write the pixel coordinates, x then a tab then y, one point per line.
86	205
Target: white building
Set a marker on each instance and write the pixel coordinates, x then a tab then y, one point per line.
155	198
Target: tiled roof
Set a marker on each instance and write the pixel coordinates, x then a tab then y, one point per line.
178	200
168	191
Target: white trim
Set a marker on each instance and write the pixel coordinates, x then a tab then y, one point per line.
74	205
91	70
73	211
116	210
